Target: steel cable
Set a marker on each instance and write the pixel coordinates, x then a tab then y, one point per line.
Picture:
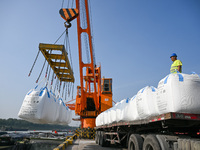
34	63
41	71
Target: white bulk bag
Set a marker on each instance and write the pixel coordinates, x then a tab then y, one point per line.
109	116
130	110
57	114
113	113
69	115
49	109
105	117
64	115
101	119
125	104
119	110
146	102
33	104
179	93
97	120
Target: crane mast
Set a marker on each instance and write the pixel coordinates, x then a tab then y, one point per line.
94	94
87	101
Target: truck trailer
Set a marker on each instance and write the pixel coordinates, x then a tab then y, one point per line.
169	131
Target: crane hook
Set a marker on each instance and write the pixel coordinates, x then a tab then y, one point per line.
68	25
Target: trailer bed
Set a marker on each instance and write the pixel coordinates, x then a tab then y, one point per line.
178	118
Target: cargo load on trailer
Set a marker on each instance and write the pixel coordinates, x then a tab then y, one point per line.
175	93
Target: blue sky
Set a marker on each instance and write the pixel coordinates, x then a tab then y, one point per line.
133	40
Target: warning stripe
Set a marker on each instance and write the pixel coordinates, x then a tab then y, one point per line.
68	14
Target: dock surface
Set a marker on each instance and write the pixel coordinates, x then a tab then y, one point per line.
86	144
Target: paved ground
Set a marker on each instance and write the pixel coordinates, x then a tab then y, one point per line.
86	144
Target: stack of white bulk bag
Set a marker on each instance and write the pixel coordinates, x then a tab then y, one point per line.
42	106
146	102
130	110
179	93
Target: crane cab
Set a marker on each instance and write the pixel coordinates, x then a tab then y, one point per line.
106	94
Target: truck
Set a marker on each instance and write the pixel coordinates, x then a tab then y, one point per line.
169	131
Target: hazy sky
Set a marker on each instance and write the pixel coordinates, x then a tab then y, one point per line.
133	41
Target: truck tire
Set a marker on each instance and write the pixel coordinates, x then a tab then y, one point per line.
102	140
96	138
151	143
162	142
98	135
135	142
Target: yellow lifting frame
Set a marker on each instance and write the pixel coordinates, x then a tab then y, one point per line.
62	67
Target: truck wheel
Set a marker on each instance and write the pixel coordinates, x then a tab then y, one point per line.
163	143
135	142
102	139
96	138
151	143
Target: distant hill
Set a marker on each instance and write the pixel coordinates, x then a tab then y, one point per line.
18	124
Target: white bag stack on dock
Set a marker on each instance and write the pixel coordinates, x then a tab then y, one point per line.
42	106
179	93
175	93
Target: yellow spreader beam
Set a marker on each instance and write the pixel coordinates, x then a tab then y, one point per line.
57	58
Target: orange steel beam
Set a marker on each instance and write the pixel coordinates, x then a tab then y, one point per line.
71	106
91	77
81	64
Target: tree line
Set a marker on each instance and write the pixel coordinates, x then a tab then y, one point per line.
12	124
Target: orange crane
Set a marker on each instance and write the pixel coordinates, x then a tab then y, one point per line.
94	95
